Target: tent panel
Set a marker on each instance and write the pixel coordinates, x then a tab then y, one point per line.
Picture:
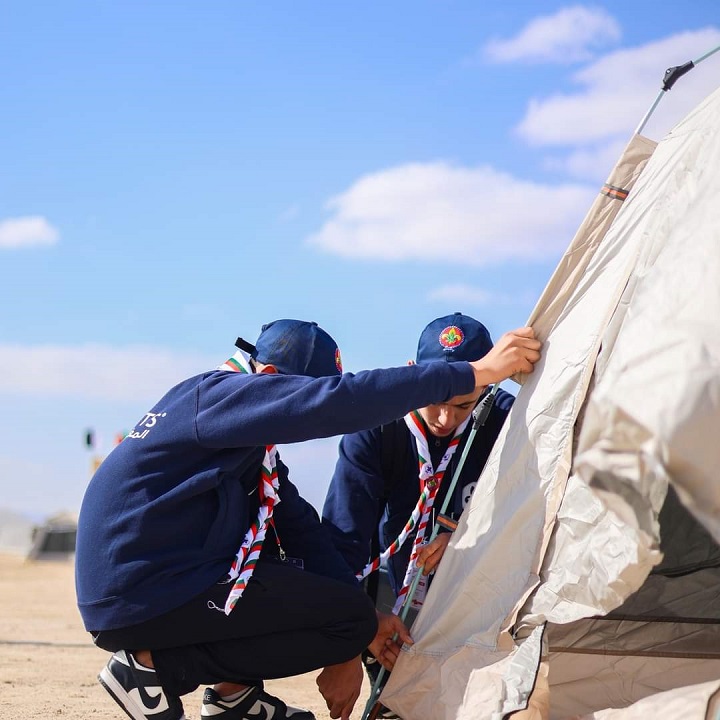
656	412
597	682
618	547
632	442
621	637
493	560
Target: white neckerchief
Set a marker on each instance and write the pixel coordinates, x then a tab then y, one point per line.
429	478
247	556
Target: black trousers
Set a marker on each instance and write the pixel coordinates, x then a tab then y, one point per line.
287	622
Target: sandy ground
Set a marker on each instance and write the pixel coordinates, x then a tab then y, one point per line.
48	664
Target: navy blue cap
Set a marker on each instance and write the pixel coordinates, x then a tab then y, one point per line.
295	347
452	338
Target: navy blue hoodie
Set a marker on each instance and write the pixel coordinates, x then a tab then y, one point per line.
166	511
355	498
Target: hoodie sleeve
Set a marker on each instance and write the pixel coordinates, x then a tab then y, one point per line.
238	410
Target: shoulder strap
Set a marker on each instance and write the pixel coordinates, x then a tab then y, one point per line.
392	454
390	449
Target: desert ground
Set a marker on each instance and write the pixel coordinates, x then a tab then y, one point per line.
48	664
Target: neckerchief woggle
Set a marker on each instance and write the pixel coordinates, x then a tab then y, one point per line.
247	556
430	481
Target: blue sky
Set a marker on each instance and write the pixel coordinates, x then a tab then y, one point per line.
174	175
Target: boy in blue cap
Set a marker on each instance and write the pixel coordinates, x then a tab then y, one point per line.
198	562
378	479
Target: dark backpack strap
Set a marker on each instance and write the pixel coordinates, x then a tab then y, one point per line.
392	453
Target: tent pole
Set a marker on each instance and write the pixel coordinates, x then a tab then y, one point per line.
480	415
647	115
706	55
672	75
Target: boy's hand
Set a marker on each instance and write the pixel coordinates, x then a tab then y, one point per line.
384	647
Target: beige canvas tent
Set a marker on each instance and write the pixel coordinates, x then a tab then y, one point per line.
585	574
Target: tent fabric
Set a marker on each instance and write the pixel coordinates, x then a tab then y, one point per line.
492	562
653	418
700	701
664	635
593	682
563	524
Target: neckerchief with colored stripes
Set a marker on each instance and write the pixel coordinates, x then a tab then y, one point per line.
247	556
239	362
429	485
429	479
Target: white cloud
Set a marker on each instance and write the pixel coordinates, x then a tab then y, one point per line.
593	162
479	216
570	35
470	295
441	213
617	90
27	232
128	374
466	294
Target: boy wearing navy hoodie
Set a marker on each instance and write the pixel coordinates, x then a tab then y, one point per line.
197	560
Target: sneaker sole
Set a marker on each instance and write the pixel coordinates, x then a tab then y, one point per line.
120	696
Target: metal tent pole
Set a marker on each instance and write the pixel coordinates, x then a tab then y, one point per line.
672	75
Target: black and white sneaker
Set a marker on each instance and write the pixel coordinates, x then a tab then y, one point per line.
254	704
137	691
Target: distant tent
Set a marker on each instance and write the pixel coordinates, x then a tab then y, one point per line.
55	538
585	572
